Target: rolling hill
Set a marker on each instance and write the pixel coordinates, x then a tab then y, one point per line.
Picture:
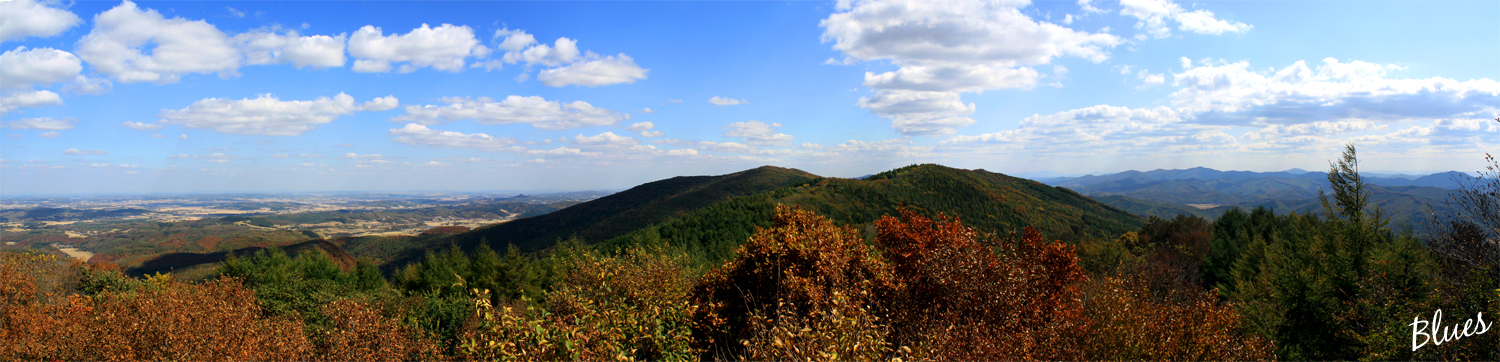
610	216
714	213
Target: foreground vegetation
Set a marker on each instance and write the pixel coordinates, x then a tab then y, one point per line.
915	286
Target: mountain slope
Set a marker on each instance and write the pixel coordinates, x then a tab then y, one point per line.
989	202
617	214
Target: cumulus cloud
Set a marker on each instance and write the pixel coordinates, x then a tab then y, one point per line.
644	128
1105	128
533	110
758	133
88	85
50	134
443	48
953	78
956	33
28	18
419	135
42	123
10	101
918	113
267	115
75	151
22	68
944	48
1153	15
722	101
268	47
1231	93
1318	128
178	46
563	51
610	70
515	40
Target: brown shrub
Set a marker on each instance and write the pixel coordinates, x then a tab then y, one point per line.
161	320
361	333
445	230
1128	321
968	297
799	271
628	307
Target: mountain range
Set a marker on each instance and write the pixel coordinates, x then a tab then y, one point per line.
1208	192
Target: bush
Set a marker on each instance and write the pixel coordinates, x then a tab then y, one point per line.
633	306
969	297
794	276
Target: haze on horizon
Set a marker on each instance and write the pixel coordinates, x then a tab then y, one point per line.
229	96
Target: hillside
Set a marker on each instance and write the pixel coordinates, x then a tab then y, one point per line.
990	202
638	207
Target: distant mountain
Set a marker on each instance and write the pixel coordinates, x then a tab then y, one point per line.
1442	180
65	214
1208	193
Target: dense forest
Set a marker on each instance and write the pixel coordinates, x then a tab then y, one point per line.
900	266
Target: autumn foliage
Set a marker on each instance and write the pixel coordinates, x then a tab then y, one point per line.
968	296
787	281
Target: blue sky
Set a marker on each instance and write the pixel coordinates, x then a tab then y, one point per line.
224	96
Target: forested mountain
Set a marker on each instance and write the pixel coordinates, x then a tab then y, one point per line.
990	202
638	207
712	214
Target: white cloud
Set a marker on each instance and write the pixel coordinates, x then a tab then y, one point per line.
86	85
646	110
267	115
235	12
442	48
28	18
956	33
268	47
22	68
419	135
1319	128
610	70
563	51
50	134
139	126
955	78
640	126
534	110
644	128
722	101
947	47
41	123
1153	16
75	151
1150	80
179	46
604	140
1230	93
1105	129
758	133
515	40
356	156
917	113
11	101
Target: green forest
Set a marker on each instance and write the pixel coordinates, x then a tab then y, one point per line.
918	263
